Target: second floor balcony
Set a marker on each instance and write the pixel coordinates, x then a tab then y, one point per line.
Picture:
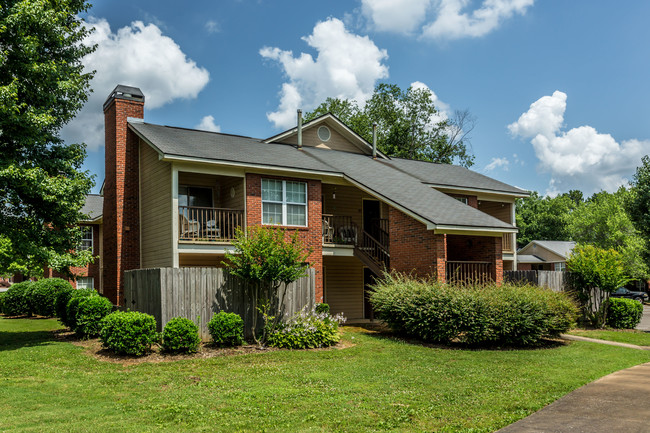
208	224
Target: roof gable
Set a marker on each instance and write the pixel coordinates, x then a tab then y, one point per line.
342	138
548	250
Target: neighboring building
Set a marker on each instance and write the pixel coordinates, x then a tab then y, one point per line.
173	197
88	276
544	256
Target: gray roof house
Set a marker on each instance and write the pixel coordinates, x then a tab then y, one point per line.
358	210
544	255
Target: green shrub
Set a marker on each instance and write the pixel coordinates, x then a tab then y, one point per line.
506	314
226	329
307	329
44	293
180	335
90	311
2	302
322	308
61	304
70	317
16	299
624	313
128	332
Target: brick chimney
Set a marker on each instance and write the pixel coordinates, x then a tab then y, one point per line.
121	221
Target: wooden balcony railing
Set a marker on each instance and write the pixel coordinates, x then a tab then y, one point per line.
208	223
339	229
464	272
372	248
508	243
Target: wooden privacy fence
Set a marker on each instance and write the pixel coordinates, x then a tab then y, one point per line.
554	280
198	293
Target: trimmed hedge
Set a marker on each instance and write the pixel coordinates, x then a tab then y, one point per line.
44	293
308	329
624	313
76	296
226	329
180	335
2	302
485	315
90	311
16	299
128	332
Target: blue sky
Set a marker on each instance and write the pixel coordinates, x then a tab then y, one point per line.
559	89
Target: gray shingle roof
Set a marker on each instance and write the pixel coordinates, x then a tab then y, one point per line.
526	258
94	207
562	248
392	179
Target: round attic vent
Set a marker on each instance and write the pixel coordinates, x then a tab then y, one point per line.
324	133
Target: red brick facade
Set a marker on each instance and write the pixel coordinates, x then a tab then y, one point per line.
90	270
121	206
414	249
311	236
479	249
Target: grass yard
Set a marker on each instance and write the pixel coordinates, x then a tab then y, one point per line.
630	336
377	384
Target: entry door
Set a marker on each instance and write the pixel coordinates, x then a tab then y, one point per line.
371	215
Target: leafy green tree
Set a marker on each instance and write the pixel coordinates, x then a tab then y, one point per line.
545	218
408	125
267	257
42	87
603	222
596	272
638	205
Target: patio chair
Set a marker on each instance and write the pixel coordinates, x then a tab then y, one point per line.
328	232
212	229
189	229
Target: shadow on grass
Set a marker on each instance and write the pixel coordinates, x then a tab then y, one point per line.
11	340
382	332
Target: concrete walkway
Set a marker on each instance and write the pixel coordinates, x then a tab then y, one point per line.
644	325
617	403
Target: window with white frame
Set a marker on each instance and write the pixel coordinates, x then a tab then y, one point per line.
560	266
462	200
284	202
86	239
85	283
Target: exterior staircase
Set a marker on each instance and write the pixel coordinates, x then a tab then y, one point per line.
373	253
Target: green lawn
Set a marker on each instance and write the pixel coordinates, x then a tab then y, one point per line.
630	336
377	384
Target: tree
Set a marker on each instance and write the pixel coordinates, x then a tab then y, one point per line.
408	124
42	87
603	222
596	272
638	205
267	257
545	218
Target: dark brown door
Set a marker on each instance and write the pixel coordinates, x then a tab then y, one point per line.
371	215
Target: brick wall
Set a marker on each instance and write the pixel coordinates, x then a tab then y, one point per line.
311	236
90	270
121	208
414	249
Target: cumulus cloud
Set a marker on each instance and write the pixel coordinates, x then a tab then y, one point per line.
444	110
395	16
502	163
346	66
207	124
137	55
580	158
441	19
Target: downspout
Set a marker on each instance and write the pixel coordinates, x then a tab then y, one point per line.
299	129
374	141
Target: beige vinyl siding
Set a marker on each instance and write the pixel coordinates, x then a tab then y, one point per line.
336	142
499	210
344	286
228	202
543	253
348	202
155	209
220	186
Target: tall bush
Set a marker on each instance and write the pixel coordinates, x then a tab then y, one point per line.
90	311
70	319
128	332
16	300
44	293
506	314
624	313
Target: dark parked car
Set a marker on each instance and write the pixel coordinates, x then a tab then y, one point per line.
622	292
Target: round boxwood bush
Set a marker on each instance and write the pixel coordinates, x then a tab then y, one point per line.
90	312
624	313
128	332
16	300
226	329
70	317
44	293
180	335
483	315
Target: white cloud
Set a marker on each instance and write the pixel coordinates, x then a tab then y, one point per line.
207	124
138	55
501	163
211	26
395	16
444	110
580	158
347	66
452	22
